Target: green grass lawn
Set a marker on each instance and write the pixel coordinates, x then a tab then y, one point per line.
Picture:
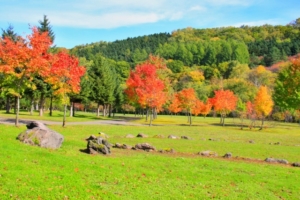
28	172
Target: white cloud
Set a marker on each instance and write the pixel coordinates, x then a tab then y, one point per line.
107	20
198	8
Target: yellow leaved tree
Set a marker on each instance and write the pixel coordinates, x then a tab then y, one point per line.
263	104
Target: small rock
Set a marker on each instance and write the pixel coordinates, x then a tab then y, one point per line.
167	150
208	153
251	141
186	137
144	146
276	160
228	155
129	136
142	135
173	137
296	164
122	146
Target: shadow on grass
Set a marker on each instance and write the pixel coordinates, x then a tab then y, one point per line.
86	151
21	121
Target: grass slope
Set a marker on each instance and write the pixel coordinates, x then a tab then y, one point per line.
28	172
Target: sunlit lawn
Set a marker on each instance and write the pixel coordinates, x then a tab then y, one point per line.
28	172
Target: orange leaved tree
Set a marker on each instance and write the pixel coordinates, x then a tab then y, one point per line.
64	75
145	88
263	104
223	102
22	59
187	98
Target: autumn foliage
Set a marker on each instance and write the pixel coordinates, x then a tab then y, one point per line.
65	73
145	88
224	102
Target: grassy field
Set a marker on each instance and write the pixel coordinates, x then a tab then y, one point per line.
28	172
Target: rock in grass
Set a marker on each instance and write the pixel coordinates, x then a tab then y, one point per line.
173	137
186	137
38	134
208	153
122	146
144	146
166	150
228	155
296	164
96	145
276	160
142	135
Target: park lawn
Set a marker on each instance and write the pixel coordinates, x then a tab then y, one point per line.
28	172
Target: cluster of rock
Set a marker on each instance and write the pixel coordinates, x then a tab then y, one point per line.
37	134
140	146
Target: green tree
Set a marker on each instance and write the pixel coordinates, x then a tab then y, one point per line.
104	82
287	87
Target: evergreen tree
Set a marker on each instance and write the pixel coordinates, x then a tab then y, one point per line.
45	27
9	32
104	82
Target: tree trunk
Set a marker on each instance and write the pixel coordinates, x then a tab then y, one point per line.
109	110
71	109
223	121
7	104
16	105
190	118
65	114
98	110
31	106
147	114
41	107
51	105
151	116
74	110
17	111
262	123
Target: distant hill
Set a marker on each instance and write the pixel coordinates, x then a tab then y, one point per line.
257	45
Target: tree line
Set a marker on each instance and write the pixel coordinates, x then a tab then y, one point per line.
190	71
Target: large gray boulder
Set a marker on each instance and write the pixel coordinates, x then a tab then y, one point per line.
38	134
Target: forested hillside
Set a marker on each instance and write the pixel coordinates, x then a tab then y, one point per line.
260	45
204	60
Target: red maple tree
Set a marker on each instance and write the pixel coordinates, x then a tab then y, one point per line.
223	102
64	75
145	88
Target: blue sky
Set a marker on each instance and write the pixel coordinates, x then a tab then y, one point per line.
77	22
